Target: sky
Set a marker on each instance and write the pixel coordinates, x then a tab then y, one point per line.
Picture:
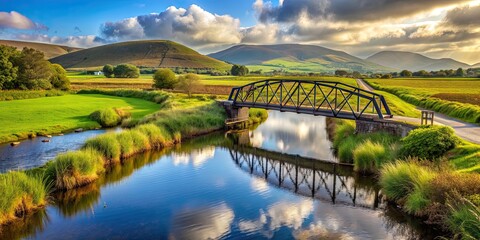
435	28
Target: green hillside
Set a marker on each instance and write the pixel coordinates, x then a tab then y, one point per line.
50	50
296	58
151	53
414	61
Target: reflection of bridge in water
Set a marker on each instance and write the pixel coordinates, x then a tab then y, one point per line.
309	177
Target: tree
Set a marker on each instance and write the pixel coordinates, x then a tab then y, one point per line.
59	78
239	70
421	73
126	71
405	73
164	78
341	73
8	72
387	76
108	71
34	71
356	74
188	82
460	72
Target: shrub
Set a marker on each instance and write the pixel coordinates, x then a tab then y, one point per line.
449	184
369	156
74	169
106	117
107	145
20	194
428	142
164	78
108	71
152	96
188	82
126	71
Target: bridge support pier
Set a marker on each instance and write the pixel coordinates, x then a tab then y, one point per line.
233	112
396	128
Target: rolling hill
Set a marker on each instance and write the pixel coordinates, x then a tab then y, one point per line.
50	50
150	53
414	61
295	58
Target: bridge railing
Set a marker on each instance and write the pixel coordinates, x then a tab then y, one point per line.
333	99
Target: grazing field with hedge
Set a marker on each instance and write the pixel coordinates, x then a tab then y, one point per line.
21	119
459	98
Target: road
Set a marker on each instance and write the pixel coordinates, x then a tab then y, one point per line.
466	131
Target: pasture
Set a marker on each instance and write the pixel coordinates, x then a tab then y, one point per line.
455	97
211	83
465	90
23	118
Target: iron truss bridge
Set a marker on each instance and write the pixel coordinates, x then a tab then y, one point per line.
321	180
323	98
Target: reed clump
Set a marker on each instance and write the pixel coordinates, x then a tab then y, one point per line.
20	194
75	169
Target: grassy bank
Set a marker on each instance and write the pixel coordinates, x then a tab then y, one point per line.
183	118
430	173
49	115
425	93
367	152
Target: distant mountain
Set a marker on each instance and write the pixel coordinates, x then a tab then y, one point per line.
50	50
414	61
149	53
476	65
295	57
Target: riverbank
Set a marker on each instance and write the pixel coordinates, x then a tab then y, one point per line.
182	118
39	115
430	173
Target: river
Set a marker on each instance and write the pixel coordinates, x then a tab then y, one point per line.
267	183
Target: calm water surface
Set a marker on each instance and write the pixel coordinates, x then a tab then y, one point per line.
236	187
33	152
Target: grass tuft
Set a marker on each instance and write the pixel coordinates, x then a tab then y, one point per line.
74	169
20	195
106	144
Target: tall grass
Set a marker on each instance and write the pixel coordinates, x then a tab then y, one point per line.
20	194
368	152
464	219
408	183
369	156
74	169
107	145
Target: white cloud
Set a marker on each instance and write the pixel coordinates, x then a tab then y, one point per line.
192	26
73	41
16	20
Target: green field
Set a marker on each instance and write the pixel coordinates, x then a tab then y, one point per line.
49	115
436	87
147	80
456	97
